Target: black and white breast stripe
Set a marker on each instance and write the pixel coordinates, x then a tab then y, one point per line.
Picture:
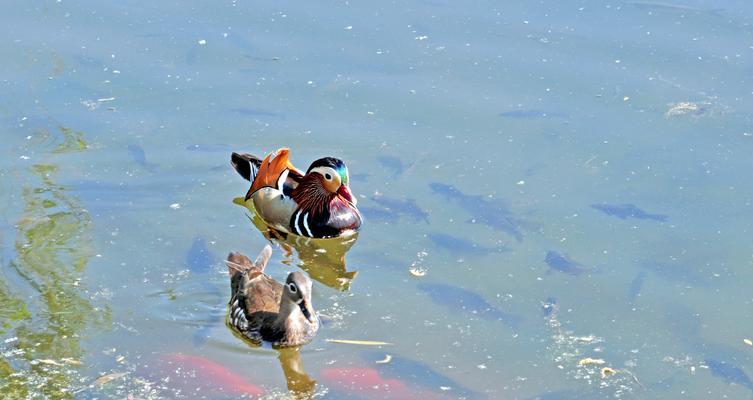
300	223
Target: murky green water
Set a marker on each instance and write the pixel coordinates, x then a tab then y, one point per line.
118	120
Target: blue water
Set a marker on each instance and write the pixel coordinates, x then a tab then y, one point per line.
118	120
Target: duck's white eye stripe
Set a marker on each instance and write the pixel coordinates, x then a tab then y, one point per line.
292	287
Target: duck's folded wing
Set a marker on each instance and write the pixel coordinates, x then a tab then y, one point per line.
275	171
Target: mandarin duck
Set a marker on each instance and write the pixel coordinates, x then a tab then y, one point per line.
264	310
316	204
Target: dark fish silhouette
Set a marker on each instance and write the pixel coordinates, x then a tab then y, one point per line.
634	290
528	114
102	198
676	273
394	164
254	112
379	214
375	259
460	246
563	263
625	211
459	299
139	156
212	312
729	372
211	147
418	374
406	207
199	258
494	214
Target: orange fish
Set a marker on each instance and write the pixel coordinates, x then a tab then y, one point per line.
195	374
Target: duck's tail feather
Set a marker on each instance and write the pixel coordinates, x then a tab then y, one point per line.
246	165
237	262
263	258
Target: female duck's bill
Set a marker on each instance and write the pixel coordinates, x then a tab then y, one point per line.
317	203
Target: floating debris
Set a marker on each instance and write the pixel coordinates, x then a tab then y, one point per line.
591	361
568	350
417	271
105	379
748	342
695	110
50	362
359	342
387	358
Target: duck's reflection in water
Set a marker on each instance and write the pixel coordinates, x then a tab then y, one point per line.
322	259
300	384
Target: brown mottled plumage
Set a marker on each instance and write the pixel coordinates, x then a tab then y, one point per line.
263	309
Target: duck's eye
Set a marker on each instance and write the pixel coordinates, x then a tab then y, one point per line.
328	177
292	287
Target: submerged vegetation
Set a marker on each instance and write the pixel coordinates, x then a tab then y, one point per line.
45	308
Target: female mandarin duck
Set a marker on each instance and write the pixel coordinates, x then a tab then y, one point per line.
317	204
263	309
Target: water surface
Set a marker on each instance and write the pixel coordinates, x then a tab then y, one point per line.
118	120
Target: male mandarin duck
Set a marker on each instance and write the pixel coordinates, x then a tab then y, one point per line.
262	309
316	204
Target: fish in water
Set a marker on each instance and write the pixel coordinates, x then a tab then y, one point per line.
208	148
635	287
406	207
563	263
729	372
199	257
379	214
393	164
376	259
216	308
494	214
674	272
196	374
139	156
528	114
254	112
459	299
625	211
420	374
460	246
365	383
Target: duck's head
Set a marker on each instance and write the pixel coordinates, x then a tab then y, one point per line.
334	177
297	289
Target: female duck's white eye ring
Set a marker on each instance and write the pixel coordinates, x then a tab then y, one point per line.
292	287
